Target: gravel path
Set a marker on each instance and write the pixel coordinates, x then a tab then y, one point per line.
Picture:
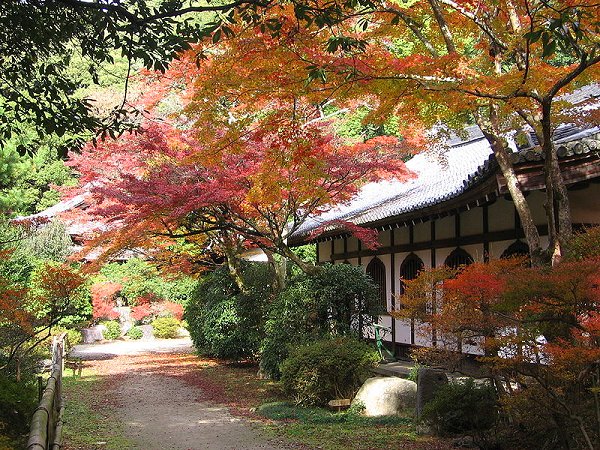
162	412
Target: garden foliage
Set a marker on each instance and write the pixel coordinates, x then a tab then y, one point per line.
225	322
326	369
338	299
166	327
113	330
538	329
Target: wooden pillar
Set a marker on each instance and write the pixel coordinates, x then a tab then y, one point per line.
332	251
434	264
393	288
411	241
486	230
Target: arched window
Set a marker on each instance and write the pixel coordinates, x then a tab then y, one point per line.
409	269
458	257
517	248
376	270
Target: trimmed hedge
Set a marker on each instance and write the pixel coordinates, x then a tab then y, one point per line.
326	369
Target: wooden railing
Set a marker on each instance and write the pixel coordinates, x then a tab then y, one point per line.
46	424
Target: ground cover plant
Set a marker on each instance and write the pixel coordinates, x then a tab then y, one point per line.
90	418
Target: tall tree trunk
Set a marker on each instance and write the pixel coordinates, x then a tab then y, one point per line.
506	167
233	264
279	271
558	210
307	268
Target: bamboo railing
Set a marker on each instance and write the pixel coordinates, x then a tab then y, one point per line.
46	424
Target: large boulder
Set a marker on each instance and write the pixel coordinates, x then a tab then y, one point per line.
92	334
386	396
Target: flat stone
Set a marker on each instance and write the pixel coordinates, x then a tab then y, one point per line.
386	396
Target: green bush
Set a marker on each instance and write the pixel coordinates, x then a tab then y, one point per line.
326	369
135	333
224	322
166	327
113	330
338	298
462	408
18	400
73	335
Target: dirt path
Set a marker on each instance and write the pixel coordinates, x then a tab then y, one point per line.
159	409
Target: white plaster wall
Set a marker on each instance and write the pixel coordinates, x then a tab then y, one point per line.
475	250
422	335
403	331
498	247
444	227
422	232
585	204
386	321
501	215
441	254
387	262
425	256
471	222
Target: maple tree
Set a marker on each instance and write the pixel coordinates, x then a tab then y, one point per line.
533	329
243	162
104	300
502	65
28	313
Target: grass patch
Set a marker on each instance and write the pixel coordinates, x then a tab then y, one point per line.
90	419
237	386
318	427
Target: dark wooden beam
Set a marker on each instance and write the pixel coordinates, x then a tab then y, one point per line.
505	235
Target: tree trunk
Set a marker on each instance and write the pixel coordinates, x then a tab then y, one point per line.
500	152
233	264
279	271
558	210
307	268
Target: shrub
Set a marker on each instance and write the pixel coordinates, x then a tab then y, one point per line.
135	333
17	403
224	322
166	327
73	335
462	408
291	321
338	298
325	369
113	330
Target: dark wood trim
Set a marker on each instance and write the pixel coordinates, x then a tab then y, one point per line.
433	305
345	244
411	234
494	236
317	256
486	230
393	283
332	256
457	225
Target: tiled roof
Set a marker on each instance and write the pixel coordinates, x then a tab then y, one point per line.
441	176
